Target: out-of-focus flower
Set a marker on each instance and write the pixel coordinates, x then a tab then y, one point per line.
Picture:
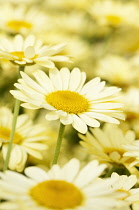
68	187
132	151
30	51
124	184
29	139
19	19
66	96
69	4
117	70
106	145
115	13
131	100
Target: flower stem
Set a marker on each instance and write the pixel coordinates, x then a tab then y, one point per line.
15	115
58	144
110	171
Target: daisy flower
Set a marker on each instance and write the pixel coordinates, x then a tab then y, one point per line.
19	19
124	184
106	144
68	187
115	13
29	139
68	99
132	151
131	99
117	70
31	51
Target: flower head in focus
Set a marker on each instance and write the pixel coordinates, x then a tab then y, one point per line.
31	51
29	139
68	187
68	99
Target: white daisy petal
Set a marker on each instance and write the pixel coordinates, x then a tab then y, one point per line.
36	173
29	52
78	124
43	80
90	85
66	120
18	43
52	116
71	169
43	61
55	77
65	76
89	121
75	78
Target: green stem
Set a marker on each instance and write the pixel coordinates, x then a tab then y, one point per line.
15	115
58	144
110	171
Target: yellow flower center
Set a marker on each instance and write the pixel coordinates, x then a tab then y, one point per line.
126	160
113	19
5	135
19	54
57	194
17	25
68	101
109	151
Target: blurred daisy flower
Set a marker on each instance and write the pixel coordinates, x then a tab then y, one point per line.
124	184
107	145
68	99
131	99
115	13
68	187
117	70
30	51
29	139
19	19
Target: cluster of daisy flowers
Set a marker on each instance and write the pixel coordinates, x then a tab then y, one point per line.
93	163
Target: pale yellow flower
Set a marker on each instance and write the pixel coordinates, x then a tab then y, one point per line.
63	188
29	139
31	51
23	19
68	99
115	13
109	145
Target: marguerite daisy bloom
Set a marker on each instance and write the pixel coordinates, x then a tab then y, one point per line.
31	51
68	99
124	184
132	151
107	145
63	188
29	139
115	13
23	19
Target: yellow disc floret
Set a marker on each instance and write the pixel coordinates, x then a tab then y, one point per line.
5	136
114	20
19	54
17	25
57	194
68	101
